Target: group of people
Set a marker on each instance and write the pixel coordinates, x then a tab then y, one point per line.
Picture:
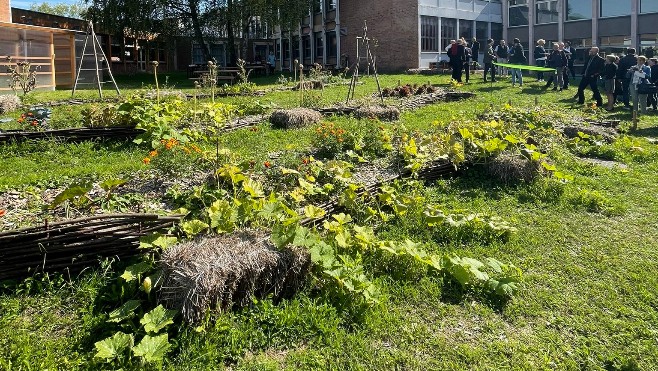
461	55
623	78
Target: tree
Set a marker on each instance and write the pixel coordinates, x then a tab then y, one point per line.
77	10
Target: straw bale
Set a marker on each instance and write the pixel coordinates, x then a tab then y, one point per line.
607	134
223	272
9	103
383	113
511	168
294	118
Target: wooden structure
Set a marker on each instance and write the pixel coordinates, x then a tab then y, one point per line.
51	50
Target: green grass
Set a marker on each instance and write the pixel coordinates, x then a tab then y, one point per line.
589	300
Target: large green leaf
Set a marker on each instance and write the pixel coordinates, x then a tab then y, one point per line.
194	227
133	271
157	319
110	184
157	240
127	310
114	346
70	193
152	348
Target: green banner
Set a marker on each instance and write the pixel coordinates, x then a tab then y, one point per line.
525	67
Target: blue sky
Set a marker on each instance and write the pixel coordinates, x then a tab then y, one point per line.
25	4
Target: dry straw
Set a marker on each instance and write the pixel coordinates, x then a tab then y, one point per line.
383	113
512	168
222	272
294	118
9	103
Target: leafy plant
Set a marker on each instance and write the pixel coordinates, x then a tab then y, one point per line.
22	76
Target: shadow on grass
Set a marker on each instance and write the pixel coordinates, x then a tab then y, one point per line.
645	132
454	293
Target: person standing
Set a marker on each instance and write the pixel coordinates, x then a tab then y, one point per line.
540	58
475	49
565	71
271	62
609	74
593	68
653	98
489	57
467	62
640	75
502	53
571	54
628	61
517	56
457	55
558	60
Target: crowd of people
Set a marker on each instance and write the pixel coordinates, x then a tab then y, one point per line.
630	80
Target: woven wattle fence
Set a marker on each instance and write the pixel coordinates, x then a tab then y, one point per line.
73	135
75	244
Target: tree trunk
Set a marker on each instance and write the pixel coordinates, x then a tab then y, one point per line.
230	33
196	26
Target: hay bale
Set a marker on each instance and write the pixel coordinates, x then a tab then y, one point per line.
9	103
294	118
511	168
222	272
383	113
310	85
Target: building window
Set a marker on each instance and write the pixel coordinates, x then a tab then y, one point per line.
648	6
649	44
613	8
481	30
286	49
332	45
319	45
295	47
306	48
330	5
429	34
614	44
497	31
518	2
546	12
448	31
518	14
578	9
465	29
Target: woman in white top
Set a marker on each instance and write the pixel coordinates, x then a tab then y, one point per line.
641	73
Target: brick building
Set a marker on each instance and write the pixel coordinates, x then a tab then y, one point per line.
408	33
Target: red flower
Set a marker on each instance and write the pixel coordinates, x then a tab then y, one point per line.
267	164
2	213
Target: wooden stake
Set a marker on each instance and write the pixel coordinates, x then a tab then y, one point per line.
634	120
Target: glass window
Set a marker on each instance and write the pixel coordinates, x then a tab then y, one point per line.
518	2
546	12
330	4
466	29
648	44
332	45
497	31
518	15
295	47
319	45
429	34
306	48
481	31
611	8
648	6
579	9
448	31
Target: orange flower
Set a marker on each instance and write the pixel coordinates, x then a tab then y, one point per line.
305	161
163	141
267	164
195	148
153	153
34	123
2	213
20	120
30	114
146	160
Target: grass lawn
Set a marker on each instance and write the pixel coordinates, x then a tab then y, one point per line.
588	300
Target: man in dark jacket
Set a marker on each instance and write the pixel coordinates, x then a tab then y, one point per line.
475	49
593	68
457	55
489	58
628	61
